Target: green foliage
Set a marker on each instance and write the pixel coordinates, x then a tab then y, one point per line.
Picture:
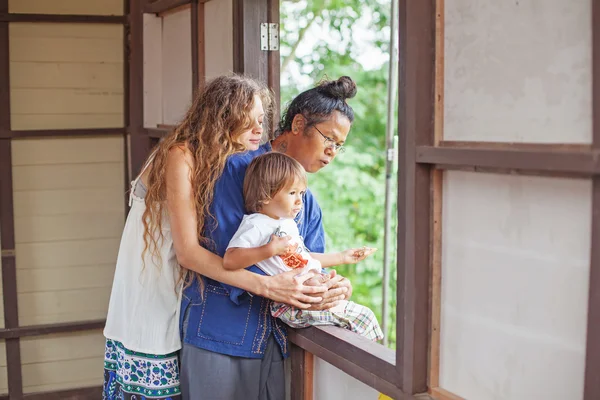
352	191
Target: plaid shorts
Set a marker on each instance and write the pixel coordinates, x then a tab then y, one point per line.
347	314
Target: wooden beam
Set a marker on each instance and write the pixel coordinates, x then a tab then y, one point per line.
89	393
7	228
4	75
160	6
198	53
524	159
248	58
64	18
592	354
367	361
309	375
66	132
48	329
274	67
415	127
138	142
298	365
437	203
126	92
9	270
157	133
441	394
174	10
436	277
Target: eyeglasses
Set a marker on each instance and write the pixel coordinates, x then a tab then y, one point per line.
330	143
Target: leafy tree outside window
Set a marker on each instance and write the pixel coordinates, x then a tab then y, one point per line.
330	38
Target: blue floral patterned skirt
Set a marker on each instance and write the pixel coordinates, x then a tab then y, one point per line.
130	375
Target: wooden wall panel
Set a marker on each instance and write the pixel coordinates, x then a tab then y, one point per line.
52	202
218	32
66	151
80	253
153	64
48	307
1	308
1	321
102	7
176	66
515	276
56	362
65	361
66	76
3	377
65	121
68	201
29	75
45	228
518	71
65	176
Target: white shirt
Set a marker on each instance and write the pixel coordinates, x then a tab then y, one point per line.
255	230
143	313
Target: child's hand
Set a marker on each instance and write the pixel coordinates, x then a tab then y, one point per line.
352	256
318	280
280	245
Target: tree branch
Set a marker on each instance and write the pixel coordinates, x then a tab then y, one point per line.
301	34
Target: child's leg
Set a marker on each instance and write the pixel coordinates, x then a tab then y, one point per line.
291	316
347	314
359	319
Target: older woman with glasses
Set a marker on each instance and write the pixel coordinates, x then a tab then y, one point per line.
233	348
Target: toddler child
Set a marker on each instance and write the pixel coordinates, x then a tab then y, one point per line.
274	186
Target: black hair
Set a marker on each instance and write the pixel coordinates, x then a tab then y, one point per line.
317	104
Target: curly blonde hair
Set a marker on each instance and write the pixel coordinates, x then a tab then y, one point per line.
210	130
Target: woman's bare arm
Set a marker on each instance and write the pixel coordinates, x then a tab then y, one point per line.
243	257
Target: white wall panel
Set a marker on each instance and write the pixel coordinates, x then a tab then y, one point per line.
518	71
515	274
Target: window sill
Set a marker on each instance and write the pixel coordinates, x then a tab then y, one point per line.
160	131
369	362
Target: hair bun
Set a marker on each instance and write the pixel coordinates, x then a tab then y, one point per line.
344	88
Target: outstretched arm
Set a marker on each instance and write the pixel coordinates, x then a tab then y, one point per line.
328	259
350	256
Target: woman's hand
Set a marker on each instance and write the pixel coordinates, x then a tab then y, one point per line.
338	289
289	288
345	283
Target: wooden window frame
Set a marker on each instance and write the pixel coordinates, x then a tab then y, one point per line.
410	371
403	373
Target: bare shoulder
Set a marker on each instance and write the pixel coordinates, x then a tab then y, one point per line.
180	159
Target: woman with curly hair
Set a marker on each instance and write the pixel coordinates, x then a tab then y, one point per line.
165	236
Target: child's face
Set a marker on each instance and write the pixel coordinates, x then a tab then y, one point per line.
287	203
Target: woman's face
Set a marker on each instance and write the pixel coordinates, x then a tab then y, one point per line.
250	138
319	144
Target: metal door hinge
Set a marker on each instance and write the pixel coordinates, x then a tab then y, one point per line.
269	36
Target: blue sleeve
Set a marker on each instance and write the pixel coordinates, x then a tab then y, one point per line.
228	209
311	225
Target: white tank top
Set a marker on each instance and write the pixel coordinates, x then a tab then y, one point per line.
143	313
